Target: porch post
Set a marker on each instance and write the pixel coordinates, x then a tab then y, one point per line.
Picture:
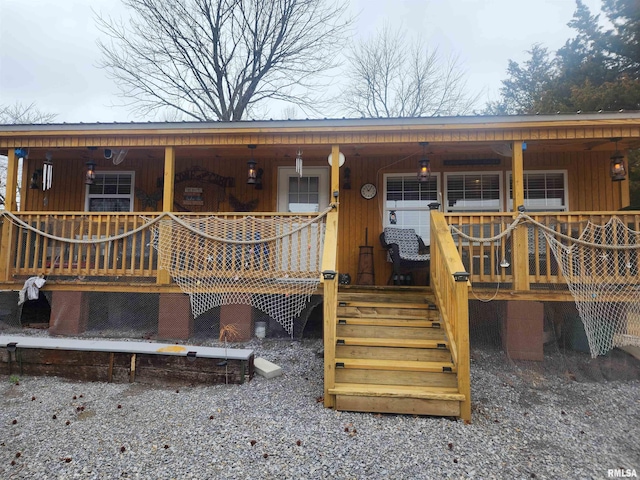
10	204
520	237
330	285
625	195
169	177
335	174
163	277
10	200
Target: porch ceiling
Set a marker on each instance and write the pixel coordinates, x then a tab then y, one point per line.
350	150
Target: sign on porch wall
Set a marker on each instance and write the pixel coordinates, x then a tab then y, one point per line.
192	196
202	175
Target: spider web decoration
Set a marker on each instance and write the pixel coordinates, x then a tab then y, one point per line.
272	264
601	269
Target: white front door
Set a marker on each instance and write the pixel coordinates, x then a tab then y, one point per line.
306	194
309	193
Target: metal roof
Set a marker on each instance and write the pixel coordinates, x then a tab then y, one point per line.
343	123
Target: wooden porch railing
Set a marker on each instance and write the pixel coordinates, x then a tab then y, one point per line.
131	258
500	262
34	254
452	296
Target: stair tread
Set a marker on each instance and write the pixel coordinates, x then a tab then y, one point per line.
394	342
381	331
391	313
408	391
388	289
397	365
388	322
379	304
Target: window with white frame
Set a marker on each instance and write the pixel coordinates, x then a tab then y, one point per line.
406	202
473	192
544	191
110	192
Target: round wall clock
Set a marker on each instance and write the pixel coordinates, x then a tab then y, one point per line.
368	191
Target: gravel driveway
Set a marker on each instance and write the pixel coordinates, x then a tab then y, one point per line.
526	424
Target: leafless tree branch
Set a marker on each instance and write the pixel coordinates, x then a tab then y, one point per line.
218	59
19	113
389	77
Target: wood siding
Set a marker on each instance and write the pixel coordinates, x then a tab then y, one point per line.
590	187
589	184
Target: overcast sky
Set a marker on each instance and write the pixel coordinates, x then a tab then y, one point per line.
48	51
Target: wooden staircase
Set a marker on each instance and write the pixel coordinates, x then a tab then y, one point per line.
392	354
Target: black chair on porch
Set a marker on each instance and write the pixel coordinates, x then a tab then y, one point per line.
408	253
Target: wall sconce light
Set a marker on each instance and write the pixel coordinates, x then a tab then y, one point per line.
252	174
424	165
34	180
329	274
461	276
258	183
347	179
618	171
90	176
393	218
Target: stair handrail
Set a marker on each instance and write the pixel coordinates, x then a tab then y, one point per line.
330	308
450	284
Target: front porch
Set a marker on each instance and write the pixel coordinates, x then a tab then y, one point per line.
323	216
371	334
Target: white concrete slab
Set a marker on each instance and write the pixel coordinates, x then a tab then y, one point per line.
119	346
266	369
632	350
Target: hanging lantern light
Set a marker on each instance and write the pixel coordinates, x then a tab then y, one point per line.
90	175
252	174
424	171
617	169
618	172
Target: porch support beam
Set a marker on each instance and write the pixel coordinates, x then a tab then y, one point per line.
169	177
10	204
163	277
625	195
10	200
335	175
520	237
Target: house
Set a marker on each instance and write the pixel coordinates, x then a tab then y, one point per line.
95	184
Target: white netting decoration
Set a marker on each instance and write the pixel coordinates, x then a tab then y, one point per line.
270	263
601	269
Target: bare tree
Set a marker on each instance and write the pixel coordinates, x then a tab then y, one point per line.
290	112
391	77
218	59
18	113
